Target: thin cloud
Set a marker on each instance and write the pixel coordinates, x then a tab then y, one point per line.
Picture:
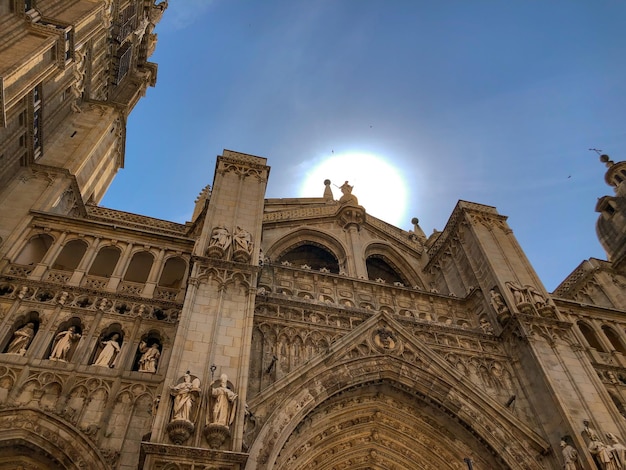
183	14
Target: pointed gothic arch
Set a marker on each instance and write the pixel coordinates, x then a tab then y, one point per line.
384	362
384	261
44	442
332	250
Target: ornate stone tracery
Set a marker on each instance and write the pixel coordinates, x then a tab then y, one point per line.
366	365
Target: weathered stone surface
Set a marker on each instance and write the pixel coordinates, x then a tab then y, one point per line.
318	336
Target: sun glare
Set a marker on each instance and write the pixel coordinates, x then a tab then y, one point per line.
379	187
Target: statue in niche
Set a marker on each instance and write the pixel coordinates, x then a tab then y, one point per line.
529	300
347	196
186	393
224	403
518	293
149	358
63	343
503	313
570	456
243	240
21	339
220	237
538	300
110	351
617	449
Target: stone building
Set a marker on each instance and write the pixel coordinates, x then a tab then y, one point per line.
269	333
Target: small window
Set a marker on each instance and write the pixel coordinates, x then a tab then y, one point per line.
614	339
37	94
591	337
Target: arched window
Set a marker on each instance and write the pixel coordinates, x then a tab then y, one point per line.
139	267
105	262
614	339
590	336
173	273
311	255
70	256
378	268
35	250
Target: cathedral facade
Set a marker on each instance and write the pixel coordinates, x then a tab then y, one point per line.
269	333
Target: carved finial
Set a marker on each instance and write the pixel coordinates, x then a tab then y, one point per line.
417	230
604	158
328	193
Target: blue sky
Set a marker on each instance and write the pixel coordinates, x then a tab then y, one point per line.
495	102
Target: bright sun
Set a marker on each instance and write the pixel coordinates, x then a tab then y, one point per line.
379	187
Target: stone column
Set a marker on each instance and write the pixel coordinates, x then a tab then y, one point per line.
114	281
155	270
215	328
88	258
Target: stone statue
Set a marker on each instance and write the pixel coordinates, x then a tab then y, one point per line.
538	300
603	454
518	293
486	326
497	301
220	237
243	240
149	358
223	403
570	456
617	449
185	394
589	431
63	342
110	350
347	197
21	339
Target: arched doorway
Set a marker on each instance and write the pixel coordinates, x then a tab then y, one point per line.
40	441
380	426
382	399
18	453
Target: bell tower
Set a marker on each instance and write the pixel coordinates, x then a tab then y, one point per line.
611	225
